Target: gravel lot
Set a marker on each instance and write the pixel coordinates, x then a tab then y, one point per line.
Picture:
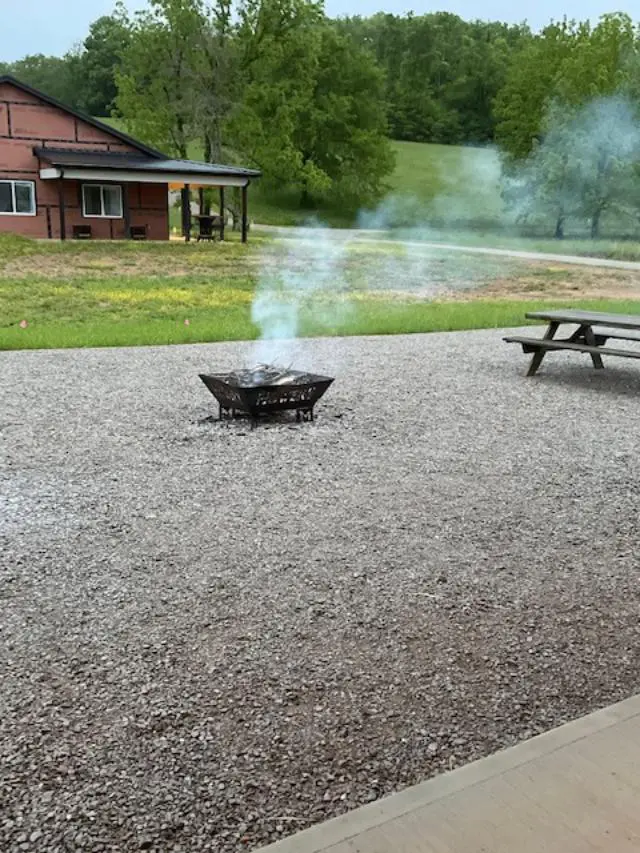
212	637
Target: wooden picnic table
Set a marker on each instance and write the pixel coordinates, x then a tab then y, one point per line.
595	328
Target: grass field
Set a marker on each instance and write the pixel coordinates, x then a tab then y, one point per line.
78	294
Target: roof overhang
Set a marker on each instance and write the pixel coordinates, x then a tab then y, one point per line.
145	177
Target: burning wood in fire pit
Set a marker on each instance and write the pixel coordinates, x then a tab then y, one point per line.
265	374
266	389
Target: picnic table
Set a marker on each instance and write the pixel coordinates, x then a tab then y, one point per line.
595	328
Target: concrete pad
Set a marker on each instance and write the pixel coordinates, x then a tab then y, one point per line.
575	789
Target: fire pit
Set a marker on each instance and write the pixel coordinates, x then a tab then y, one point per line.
266	390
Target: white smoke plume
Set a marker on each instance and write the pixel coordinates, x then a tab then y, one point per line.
305	273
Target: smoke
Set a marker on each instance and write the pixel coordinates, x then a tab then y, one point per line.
302	279
317	280
583	174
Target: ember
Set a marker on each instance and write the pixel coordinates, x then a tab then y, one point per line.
266	389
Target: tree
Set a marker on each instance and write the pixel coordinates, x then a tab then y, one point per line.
568	122
343	130
521	105
98	62
160	66
442	73
600	62
53	75
312	114
218	90
548	185
279	49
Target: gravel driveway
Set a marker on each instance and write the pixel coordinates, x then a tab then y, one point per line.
212	637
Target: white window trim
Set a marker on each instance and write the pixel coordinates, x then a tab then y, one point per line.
14	212
101	187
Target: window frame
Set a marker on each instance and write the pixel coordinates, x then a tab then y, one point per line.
34	202
102	188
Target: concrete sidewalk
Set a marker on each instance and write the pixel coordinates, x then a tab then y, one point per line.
575	789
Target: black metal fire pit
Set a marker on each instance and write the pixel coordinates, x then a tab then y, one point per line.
266	390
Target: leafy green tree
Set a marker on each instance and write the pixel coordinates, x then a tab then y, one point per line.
57	77
279	44
343	129
521	105
442	73
217	91
600	63
312	115
568	121
160	68
98	62
547	187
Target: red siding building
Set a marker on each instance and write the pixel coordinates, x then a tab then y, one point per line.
63	174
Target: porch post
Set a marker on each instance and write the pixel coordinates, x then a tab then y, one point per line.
222	213
245	222
63	224
186	212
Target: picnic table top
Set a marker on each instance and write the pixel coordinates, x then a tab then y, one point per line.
589	318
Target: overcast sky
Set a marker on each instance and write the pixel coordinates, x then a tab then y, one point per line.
53	26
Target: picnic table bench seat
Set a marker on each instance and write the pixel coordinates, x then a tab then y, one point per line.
534	344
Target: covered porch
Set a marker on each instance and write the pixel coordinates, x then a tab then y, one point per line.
210	221
123	195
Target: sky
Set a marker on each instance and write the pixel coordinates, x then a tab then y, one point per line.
54	26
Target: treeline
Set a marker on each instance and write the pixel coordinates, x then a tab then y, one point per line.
313	101
442	74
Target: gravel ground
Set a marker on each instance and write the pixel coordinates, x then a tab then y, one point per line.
212	637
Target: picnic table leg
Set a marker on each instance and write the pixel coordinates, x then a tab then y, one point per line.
590	338
536	361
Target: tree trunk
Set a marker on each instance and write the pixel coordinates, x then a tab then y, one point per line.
595	224
233	206
559	235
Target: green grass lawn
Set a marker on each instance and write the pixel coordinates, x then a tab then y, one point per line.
79	294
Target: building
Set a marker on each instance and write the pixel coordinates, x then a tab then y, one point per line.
64	174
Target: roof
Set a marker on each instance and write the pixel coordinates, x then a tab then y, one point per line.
123	137
74	158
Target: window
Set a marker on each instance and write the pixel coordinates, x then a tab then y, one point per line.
17	198
103	200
